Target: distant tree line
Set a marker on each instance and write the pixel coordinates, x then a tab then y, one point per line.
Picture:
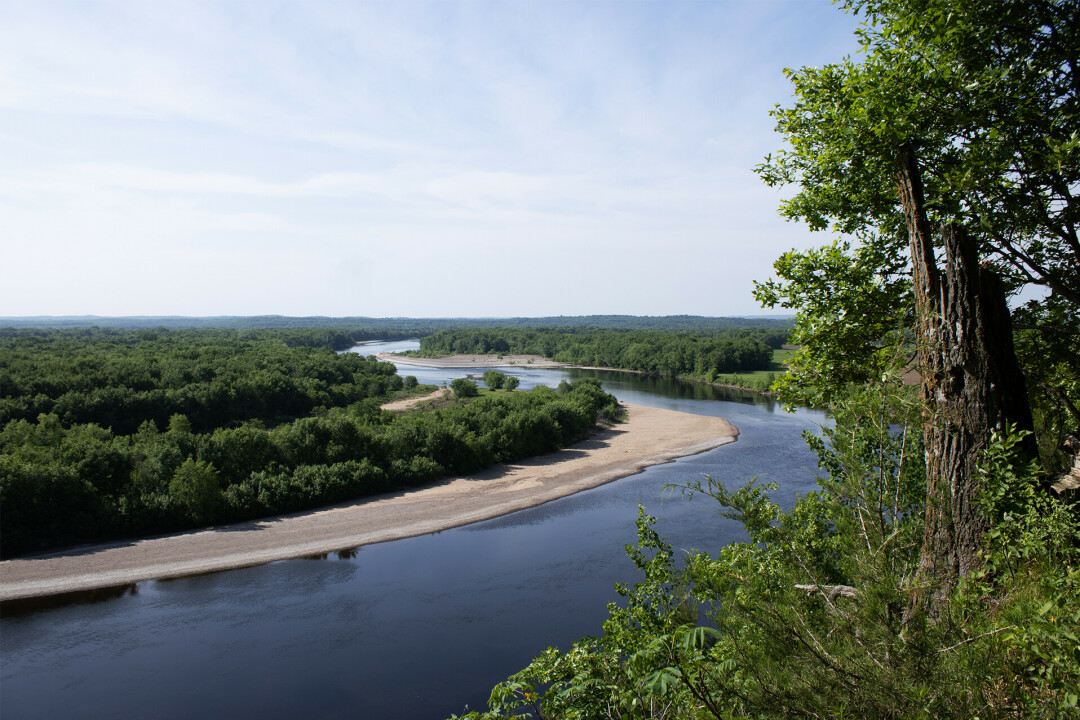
335	338
120	379
400	328
124	434
703	355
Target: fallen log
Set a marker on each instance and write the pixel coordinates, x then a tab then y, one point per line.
830	591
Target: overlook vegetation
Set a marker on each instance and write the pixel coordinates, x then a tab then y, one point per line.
113	434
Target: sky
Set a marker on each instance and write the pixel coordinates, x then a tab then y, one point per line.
398	158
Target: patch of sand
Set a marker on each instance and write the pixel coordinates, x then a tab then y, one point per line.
410	403
648	437
468	361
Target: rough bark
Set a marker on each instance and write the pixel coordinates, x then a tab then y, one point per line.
972	384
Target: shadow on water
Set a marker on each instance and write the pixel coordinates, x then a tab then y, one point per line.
10	609
673	387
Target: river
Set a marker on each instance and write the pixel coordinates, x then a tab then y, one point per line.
417	628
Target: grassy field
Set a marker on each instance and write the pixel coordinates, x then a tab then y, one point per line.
759	378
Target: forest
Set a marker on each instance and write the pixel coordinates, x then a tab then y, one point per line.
703	355
109	433
935	572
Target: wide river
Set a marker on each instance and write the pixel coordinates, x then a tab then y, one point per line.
417	628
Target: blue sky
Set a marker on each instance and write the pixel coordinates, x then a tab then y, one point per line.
406	158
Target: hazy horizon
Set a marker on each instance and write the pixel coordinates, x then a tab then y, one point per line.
416	159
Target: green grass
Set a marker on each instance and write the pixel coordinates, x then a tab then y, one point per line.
782	357
756	379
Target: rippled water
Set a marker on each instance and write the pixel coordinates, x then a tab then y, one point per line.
415	628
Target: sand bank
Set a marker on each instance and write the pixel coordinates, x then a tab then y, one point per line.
649	436
468	361
410	403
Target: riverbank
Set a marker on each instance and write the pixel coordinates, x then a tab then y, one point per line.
649	436
468	361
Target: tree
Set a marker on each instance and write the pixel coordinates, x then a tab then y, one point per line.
964	117
511	382
195	487
494	379
463	388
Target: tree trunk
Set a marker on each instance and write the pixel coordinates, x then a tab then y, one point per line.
971	384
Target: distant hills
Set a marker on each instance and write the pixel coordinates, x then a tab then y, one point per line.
421	326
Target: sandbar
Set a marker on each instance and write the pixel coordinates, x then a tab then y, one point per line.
467	361
649	436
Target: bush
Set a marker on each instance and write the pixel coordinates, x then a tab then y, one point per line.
815	615
464	388
494	379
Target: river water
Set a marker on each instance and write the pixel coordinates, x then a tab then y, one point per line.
417	628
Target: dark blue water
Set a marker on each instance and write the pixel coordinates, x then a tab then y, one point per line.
415	628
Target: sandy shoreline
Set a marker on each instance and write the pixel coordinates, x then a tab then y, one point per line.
650	436
468	361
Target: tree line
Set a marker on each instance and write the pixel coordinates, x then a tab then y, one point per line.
700	355
119	379
84	471
398	328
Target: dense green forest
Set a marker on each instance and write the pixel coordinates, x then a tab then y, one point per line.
119	379
700	354
334	337
935	572
118	433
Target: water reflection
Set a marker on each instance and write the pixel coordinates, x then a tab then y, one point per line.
26	606
668	387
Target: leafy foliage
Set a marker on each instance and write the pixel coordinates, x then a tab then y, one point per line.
463	388
984	95
494	379
215	378
811	616
854	306
94	463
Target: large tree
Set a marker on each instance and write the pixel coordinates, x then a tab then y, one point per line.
953	141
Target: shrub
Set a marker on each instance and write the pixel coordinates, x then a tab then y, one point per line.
464	388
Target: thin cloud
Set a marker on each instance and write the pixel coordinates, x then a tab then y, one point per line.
384	138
